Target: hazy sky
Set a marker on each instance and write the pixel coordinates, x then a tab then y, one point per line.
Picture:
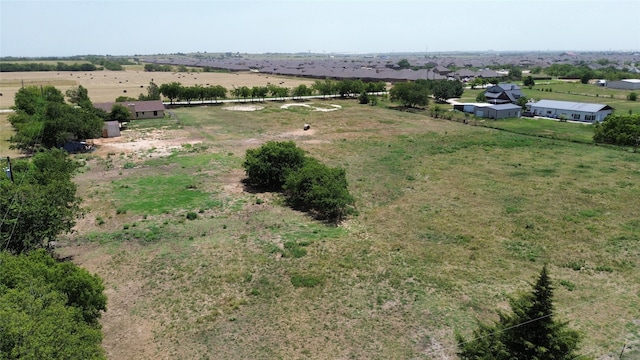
119	27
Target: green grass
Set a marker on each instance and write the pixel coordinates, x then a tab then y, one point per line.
452	220
546	128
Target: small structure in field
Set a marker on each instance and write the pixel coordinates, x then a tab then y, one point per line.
111	129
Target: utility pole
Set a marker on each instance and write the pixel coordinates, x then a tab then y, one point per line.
10	171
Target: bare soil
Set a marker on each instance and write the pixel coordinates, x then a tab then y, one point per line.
105	86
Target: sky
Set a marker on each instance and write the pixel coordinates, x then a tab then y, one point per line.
143	27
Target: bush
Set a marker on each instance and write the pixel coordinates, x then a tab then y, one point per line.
268	166
621	130
321	189
633	96
192	215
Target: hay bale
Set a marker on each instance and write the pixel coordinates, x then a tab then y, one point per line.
306	127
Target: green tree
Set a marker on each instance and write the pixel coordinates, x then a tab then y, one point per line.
530	331
79	96
481	97
633	96
445	89
119	113
319	188
153	92
171	90
404	64
522	101
41	203
49	309
269	165
301	90
364	98
324	87
620	129
515	73
529	82
410	94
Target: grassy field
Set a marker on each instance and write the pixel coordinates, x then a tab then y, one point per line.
453	219
578	132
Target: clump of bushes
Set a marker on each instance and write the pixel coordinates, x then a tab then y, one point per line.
192	215
619	130
306	182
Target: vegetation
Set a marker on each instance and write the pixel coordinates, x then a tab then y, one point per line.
307	183
43	119
269	166
49	309
60	66
529	332
623	130
40	203
410	94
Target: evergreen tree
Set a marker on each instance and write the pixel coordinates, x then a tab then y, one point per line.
529	332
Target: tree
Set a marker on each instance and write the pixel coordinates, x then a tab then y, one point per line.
363	98
259	92
410	94
41	203
529	82
621	130
119	113
319	188
633	96
42	118
171	90
404	64
530	331
153	92
522	101
324	87
515	73
269	165
301	90
79	96
445	89
481	97
49	309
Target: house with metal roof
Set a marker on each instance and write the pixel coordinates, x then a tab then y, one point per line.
569	110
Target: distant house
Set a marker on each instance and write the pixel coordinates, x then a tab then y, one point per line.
625	84
153	109
503	94
577	111
490	111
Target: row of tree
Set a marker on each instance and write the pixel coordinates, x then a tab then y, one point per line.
306	182
344	88
60	66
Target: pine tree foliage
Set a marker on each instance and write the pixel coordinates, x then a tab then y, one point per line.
529	332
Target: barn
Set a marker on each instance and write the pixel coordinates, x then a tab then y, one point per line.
625	84
491	111
153	109
569	110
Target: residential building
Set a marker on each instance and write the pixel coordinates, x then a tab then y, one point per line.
503	94
152	109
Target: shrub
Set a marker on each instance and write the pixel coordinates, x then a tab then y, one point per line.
192	215
269	165
321	189
309	281
633	96
619	130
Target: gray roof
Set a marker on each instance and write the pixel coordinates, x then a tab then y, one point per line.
506	107
570	105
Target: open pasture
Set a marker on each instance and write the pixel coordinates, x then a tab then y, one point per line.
105	86
453	219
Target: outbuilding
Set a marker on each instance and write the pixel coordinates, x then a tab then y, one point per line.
111	129
491	111
625	84
569	110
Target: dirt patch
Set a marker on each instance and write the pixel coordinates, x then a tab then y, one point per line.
243	108
332	107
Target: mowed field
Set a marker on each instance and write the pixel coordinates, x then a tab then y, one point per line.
105	86
453	219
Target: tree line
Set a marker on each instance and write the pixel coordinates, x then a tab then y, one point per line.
417	93
60	66
49	309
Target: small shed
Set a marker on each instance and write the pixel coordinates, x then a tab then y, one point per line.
111	129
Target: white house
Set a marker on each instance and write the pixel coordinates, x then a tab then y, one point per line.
577	111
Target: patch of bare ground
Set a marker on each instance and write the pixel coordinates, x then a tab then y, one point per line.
126	334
